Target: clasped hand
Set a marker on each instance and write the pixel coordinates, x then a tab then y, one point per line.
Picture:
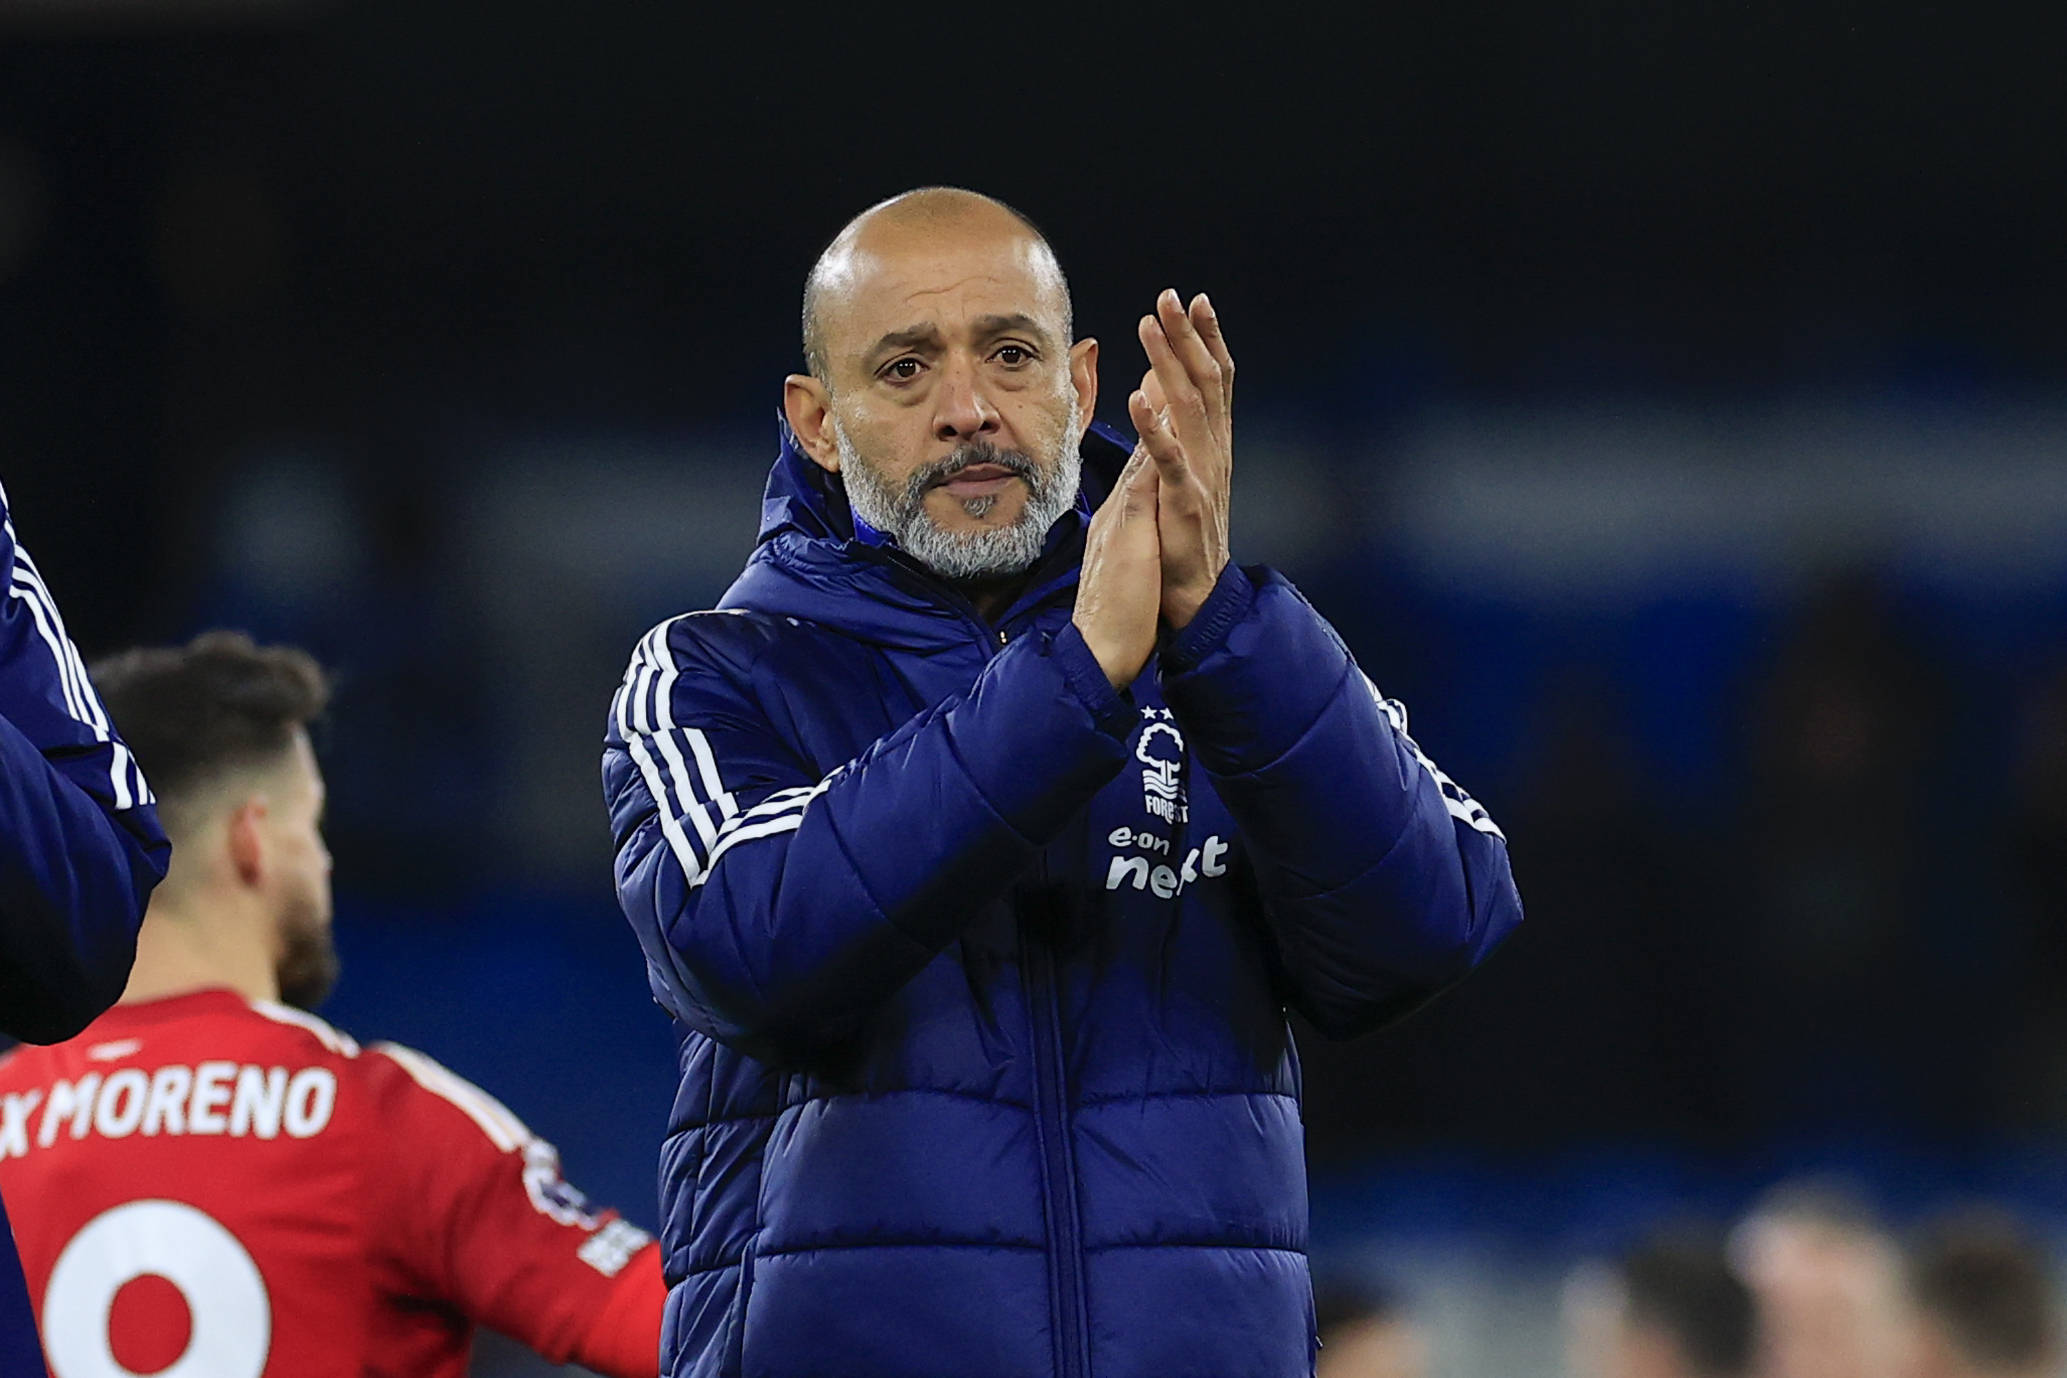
1158	543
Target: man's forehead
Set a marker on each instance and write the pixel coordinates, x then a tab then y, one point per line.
888	281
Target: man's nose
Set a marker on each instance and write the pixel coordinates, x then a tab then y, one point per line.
964	411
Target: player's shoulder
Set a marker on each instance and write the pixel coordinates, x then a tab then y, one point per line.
201	1026
17	1064
296	1027
415	1083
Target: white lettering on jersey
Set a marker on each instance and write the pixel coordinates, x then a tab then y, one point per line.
166	1109
14	1122
213	1098
68	1098
261	1098
120	1107
311	1096
211	1095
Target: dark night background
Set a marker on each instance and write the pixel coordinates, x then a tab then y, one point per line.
1666	402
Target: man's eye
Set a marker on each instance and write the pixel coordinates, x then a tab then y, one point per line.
1012	356
904	370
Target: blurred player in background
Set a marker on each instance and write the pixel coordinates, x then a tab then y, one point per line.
1669	1308
210	1177
1367	1332
1828	1279
1986	1301
80	849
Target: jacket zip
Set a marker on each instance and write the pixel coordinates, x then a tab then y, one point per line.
1051	1102
1051	1119
1058	1159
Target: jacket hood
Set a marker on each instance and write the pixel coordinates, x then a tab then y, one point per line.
811	562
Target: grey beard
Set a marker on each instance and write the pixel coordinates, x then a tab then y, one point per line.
964	555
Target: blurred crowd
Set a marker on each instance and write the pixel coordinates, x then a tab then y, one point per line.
1850	925
1809	1283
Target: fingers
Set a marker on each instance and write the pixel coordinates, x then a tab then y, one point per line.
1138	483
1133	493
1120	593
1207	322
1152	424
1184	337
1187	399
1188	346
1152	386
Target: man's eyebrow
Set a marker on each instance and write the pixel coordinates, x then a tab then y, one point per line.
908	338
1018	323
983	328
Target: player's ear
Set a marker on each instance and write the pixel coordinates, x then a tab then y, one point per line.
246	839
1083	376
808	407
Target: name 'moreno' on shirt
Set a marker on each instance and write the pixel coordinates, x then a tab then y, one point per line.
212	1098
238	1188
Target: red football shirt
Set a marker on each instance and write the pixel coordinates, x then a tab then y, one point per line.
206	1185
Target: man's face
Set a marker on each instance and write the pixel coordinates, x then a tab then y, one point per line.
1602	1338
956	400
1377	1348
305	957
1830	1299
1934	1355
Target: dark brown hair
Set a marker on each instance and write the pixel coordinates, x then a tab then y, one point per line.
1988	1282
1679	1281
219	704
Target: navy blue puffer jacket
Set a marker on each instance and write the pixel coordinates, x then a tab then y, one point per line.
980	969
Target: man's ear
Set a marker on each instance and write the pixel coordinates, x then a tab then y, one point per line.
1083	376
808	406
247	841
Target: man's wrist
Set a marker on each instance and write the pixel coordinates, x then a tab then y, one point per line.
1184	647
1110	705
1181	606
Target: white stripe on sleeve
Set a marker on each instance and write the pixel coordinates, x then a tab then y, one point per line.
503	1128
700	818
1460	805
26	595
25	585
670	825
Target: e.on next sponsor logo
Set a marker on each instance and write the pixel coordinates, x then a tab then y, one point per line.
211	1098
1161	879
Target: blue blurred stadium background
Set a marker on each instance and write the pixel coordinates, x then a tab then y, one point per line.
1665	402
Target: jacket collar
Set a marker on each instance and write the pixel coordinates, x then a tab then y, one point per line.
813	564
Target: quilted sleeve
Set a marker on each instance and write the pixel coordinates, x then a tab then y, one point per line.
1383	881
777	907
80	845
